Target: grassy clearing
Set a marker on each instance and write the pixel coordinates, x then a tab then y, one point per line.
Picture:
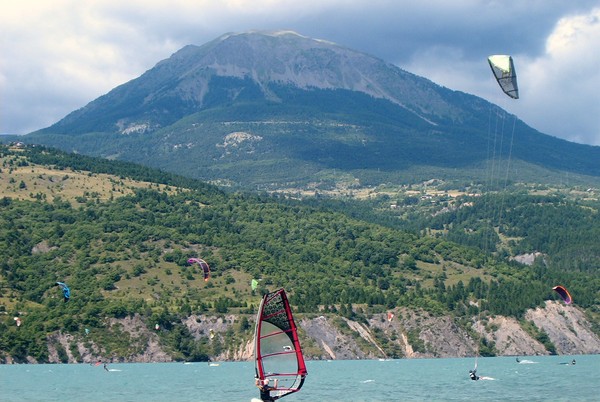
454	273
36	182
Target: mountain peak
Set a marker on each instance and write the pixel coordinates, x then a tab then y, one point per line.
178	86
290	58
271	33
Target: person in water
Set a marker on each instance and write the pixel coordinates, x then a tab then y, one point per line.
518	361
105	367
265	389
573	362
473	375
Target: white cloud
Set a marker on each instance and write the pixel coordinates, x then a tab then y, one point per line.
61	55
560	89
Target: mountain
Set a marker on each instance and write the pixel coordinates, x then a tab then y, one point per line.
277	110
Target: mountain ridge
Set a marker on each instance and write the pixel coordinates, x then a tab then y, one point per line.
360	114
246	57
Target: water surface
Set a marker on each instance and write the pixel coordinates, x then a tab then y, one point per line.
544	378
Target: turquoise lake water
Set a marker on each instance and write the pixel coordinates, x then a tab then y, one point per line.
543	379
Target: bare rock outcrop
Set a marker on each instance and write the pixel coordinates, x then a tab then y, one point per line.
420	334
410	334
214	327
567	328
146	342
509	338
207	326
69	348
335	344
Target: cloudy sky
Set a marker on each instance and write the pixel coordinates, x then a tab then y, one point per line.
56	56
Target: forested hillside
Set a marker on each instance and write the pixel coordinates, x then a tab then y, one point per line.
120	236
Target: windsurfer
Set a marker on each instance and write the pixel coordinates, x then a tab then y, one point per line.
265	389
473	375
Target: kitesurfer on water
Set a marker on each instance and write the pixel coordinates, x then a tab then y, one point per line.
473	375
265	389
105	367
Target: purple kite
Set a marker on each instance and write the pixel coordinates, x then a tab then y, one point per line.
203	265
564	293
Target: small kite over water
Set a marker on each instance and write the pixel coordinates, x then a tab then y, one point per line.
504	71
564	293
203	264
66	290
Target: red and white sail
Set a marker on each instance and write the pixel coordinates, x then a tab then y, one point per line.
277	350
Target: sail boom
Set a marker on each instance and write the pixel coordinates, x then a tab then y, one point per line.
274	334
278	353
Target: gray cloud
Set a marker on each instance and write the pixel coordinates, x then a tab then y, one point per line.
65	54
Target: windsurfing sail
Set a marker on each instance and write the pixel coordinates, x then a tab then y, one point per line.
277	349
504	71
203	264
66	290
564	294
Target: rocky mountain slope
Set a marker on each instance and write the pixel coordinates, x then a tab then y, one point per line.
196	78
277	109
411	334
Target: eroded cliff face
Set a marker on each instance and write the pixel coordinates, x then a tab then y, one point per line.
66	348
509	337
426	335
410	334
567	328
